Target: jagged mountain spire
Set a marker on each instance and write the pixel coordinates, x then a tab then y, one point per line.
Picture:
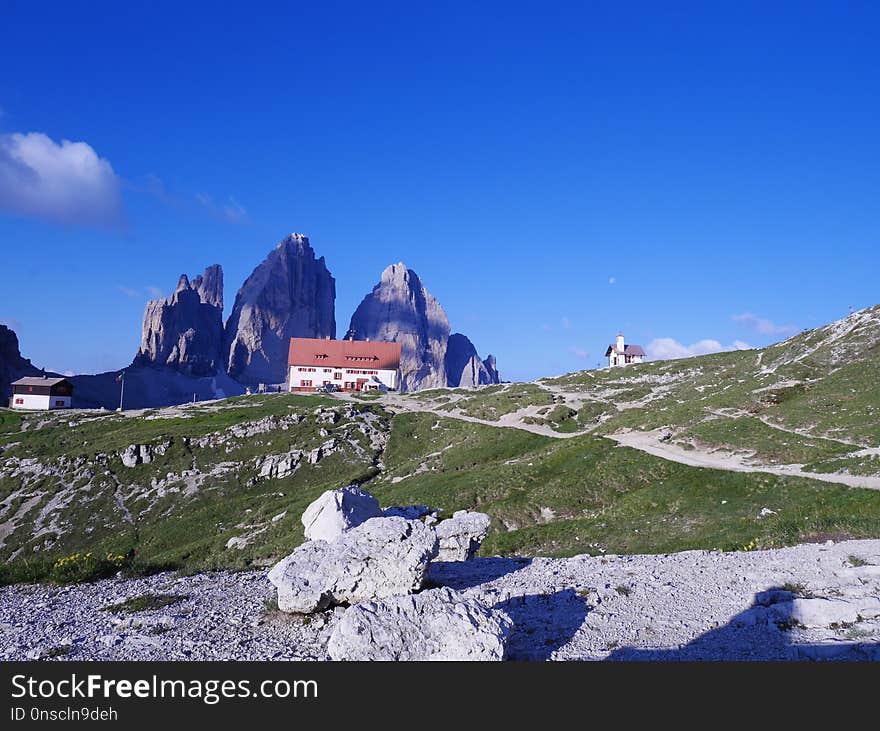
185	331
400	309
290	294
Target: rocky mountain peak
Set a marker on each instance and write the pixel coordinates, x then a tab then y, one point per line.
464	367
185	331
301	241
290	294
210	286
400	309
12	365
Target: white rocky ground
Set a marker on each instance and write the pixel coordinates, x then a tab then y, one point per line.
696	605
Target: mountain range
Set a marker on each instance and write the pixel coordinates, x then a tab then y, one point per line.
188	353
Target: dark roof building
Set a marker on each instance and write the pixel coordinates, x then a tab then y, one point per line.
40	393
619	353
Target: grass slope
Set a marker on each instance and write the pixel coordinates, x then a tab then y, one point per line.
813	399
212	494
561	497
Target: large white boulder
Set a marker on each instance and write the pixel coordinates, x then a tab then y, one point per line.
440	624
461	535
379	558
337	511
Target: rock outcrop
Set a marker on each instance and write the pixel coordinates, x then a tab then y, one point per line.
491	367
290	294
12	365
380	558
185	331
440	624
461	535
400	309
463	364
337	511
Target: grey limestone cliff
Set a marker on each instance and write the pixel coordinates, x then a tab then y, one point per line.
463	364
12	365
185	331
400	309
290	294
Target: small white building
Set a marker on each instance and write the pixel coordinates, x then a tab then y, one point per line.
619	353
352	365
40	393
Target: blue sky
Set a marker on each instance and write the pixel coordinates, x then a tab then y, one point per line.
685	172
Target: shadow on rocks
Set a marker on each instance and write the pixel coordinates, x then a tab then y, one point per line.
543	623
761	632
461	575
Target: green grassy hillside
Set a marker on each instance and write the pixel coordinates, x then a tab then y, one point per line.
224	484
813	400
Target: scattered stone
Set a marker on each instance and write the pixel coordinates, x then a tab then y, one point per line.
440	624
278	466
130	456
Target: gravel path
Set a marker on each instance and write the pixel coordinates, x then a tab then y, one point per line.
646	441
696	605
649	441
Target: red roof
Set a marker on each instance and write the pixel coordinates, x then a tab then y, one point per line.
343	353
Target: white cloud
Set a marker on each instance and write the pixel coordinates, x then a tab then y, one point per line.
579	352
612	280
566	323
763	325
669	349
231	211
128	291
145	292
66	183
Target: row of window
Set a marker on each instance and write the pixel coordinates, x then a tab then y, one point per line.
307	383
21	401
322	356
350	371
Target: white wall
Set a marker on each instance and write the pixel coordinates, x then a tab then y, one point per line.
339	376
39	403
